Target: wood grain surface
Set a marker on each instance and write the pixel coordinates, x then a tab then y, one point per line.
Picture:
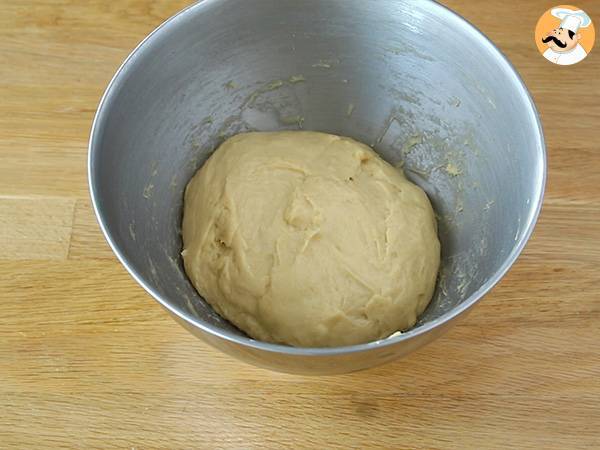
88	360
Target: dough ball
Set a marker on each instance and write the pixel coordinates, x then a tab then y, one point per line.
309	239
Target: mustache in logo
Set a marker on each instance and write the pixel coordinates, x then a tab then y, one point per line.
556	41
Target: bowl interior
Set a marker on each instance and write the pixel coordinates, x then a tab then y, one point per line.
425	89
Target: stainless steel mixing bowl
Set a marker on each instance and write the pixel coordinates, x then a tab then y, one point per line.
412	78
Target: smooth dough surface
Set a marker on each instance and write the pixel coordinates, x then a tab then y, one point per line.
309	239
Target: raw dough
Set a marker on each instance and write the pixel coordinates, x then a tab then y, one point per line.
309	239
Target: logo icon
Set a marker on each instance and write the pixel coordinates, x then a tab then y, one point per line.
565	35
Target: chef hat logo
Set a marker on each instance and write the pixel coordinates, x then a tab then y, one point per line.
570	19
565	35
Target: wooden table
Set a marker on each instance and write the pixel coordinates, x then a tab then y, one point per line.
89	360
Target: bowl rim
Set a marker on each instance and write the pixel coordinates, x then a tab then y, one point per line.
474	298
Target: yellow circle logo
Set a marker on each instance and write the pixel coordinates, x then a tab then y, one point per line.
565	35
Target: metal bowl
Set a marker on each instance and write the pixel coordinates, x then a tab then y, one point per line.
411	78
